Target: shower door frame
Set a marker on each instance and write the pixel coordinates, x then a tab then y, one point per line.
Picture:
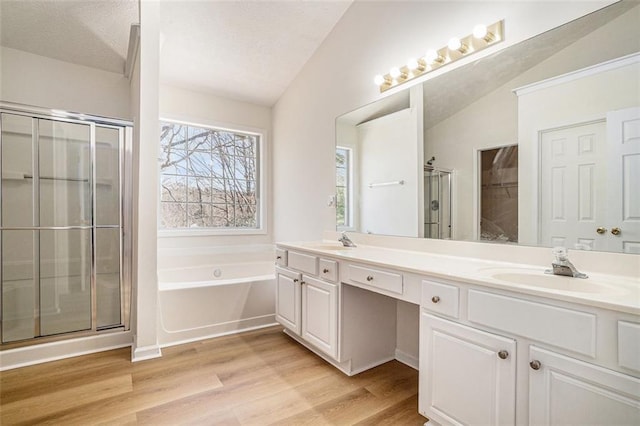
125	176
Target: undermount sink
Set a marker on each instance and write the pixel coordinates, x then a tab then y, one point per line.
536	278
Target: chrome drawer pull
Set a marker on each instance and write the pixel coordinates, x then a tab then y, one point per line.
535	364
435	299
369	278
325	270
503	354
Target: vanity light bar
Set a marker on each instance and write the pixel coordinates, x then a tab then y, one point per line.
482	37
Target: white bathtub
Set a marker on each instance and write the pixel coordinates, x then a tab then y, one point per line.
215	275
214	291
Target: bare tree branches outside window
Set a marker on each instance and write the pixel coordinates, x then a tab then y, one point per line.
208	178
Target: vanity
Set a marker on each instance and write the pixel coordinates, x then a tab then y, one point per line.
499	343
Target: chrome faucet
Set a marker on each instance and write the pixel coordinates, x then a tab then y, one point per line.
346	241
562	266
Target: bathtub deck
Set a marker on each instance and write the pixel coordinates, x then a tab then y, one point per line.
258	377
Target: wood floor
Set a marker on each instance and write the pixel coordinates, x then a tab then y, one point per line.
256	378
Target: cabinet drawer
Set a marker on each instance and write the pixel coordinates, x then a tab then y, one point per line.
564	328
303	262
384	280
281	257
440	298
329	270
629	345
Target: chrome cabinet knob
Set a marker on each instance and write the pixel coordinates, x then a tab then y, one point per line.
325	270
535	364
369	278
435	299
295	280
503	354
616	231
278	257
601	230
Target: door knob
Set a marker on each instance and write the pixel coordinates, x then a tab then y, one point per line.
616	231
601	230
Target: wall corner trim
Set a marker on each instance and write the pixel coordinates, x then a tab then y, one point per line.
144	353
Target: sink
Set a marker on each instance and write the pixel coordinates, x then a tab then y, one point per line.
537	278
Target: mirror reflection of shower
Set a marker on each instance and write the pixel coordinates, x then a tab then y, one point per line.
437	201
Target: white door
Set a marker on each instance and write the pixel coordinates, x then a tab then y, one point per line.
320	315
565	391
623	204
573	184
288	299
467	376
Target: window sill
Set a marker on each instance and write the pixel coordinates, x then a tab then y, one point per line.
207	232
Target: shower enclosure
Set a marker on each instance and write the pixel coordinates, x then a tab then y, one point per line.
437	202
63	200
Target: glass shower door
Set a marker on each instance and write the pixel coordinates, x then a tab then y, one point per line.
65	212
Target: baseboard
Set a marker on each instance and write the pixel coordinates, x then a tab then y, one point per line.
53	351
407	359
144	353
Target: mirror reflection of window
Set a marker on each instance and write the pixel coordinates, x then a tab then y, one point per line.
499	194
343	183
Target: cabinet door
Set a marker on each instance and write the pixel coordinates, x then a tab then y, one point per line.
288	299
320	315
467	376
563	391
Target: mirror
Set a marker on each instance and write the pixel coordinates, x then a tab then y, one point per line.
517	147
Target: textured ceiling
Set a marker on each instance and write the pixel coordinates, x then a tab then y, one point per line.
89	32
245	50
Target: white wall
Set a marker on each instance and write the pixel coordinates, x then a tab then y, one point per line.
49	83
371	38
201	108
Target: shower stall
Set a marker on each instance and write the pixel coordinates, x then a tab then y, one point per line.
64	224
437	202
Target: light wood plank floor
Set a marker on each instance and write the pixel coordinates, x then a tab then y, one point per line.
255	378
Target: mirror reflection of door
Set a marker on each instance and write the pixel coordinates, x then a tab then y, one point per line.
499	194
596	193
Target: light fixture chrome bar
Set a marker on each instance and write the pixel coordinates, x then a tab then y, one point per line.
434	59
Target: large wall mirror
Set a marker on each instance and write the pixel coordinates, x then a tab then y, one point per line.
537	144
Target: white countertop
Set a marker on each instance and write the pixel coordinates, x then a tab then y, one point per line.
599	290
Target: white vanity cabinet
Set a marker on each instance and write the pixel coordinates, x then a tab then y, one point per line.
563	391
307	300
493	357
467	376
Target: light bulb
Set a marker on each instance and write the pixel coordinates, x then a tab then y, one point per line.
413	64
378	80
395	72
480	31
454	44
431	56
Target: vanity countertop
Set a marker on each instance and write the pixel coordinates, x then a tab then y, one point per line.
614	292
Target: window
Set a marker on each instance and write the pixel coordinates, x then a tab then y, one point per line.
343	184
209	178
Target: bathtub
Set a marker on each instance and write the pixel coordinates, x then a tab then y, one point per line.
209	292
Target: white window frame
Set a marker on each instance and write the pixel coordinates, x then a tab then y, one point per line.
261	206
349	202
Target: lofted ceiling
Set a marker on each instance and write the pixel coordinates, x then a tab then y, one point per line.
249	50
246	50
89	33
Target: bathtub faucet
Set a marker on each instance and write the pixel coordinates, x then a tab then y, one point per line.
346	241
